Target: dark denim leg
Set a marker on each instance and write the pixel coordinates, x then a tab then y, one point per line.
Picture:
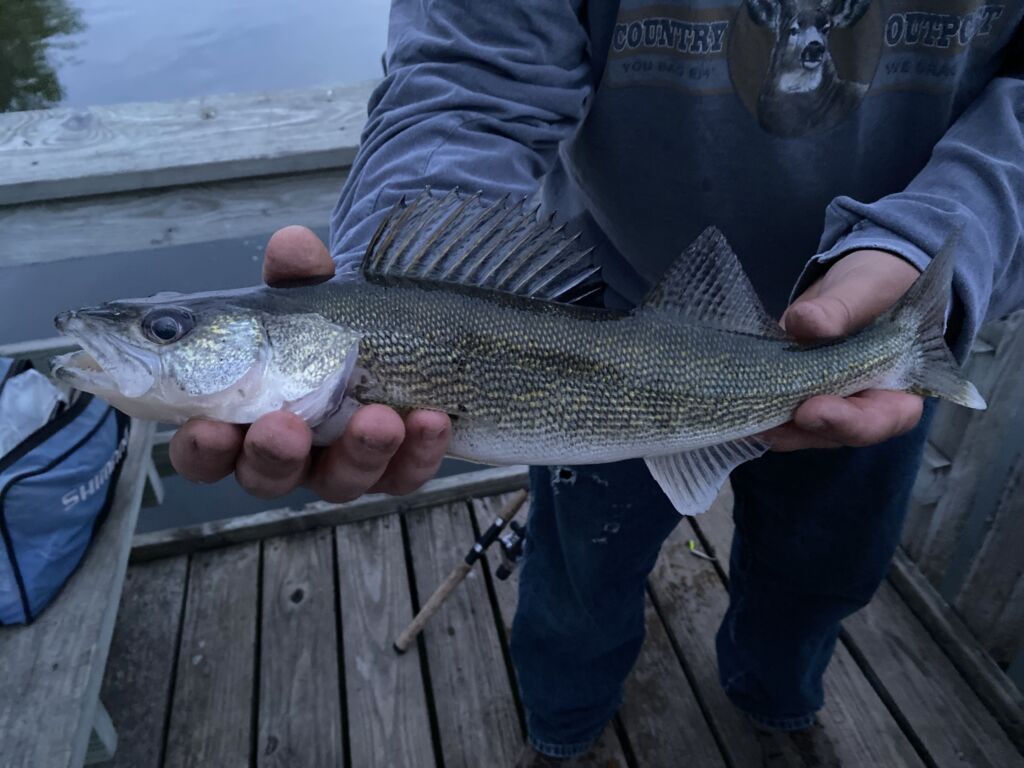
815	533
593	536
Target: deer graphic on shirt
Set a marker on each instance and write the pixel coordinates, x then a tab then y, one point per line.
802	90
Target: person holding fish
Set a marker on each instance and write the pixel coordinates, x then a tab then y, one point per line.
837	173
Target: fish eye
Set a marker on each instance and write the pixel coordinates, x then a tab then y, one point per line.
166	325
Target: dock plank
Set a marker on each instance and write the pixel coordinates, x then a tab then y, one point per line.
855	725
952	724
211	713
607	753
692	600
53	669
477	719
73	152
660	711
1004	699
300	715
160	218
388	720
139	677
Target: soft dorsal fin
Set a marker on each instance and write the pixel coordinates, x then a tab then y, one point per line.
501	246
707	285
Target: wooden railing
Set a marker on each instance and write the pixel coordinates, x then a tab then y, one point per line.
53	154
132	177
965	525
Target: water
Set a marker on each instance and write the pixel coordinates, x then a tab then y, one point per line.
87	52
31	294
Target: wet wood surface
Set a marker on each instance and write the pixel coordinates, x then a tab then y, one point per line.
893	698
300	713
52	669
145	646
388	718
214	691
476	714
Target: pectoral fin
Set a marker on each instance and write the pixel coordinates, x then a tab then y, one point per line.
692	479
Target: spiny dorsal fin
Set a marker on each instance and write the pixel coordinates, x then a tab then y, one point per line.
501	246
707	285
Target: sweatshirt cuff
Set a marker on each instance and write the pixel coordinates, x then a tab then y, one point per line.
862	236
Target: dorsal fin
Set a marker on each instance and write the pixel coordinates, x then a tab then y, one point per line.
707	285
460	240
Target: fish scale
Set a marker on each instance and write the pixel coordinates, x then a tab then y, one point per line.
532	382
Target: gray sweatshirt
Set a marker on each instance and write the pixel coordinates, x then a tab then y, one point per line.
803	129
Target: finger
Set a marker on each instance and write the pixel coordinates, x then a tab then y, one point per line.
789	437
295	255
275	455
356	460
863	419
417	460
205	451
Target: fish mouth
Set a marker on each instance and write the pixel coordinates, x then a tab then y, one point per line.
81	370
107	363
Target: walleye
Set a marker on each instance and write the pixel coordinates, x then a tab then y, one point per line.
465	308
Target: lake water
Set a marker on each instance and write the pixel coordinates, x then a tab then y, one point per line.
86	52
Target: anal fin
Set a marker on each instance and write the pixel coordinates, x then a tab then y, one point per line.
692	479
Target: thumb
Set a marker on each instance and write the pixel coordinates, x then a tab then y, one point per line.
296	256
855	290
821	318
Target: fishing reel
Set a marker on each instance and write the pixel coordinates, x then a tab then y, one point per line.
511	544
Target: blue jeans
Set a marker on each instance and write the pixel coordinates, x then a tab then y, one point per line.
815	532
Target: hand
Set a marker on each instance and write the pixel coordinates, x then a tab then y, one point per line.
857	289
379	451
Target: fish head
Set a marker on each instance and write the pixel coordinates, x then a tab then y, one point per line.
173	357
167	357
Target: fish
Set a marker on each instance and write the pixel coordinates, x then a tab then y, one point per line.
480	310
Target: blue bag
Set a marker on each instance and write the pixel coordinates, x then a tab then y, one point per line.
56	488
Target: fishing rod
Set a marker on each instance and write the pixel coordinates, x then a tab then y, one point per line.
510	536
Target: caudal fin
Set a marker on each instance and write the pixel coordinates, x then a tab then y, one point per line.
935	372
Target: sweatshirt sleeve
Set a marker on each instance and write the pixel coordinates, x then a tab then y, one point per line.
974	183
477	95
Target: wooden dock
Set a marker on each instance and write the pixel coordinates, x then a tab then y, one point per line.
276	651
266	640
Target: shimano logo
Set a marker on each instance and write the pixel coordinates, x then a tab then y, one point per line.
96	482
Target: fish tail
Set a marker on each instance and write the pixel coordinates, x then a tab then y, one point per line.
935	372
